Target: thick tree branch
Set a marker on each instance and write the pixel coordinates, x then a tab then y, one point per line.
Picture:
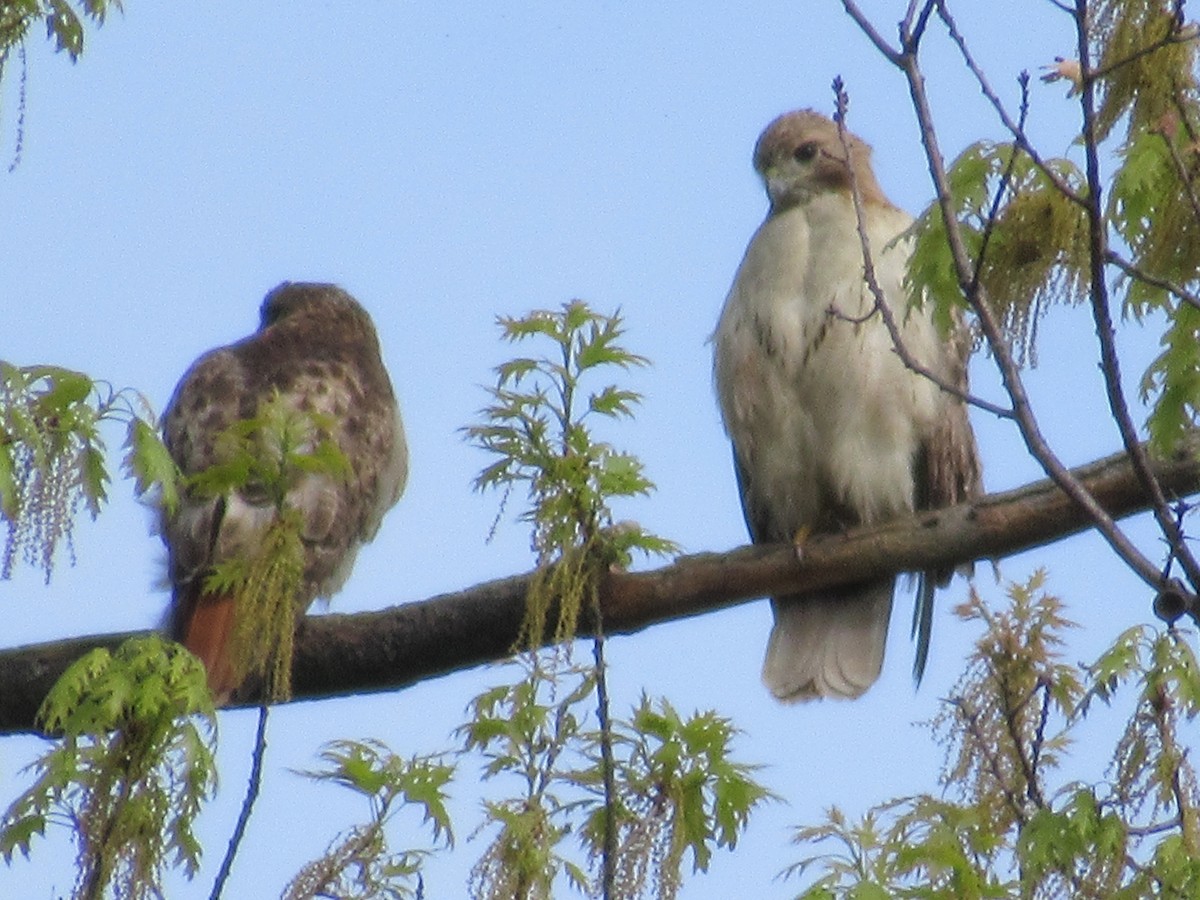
392	648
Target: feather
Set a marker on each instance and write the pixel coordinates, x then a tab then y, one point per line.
828	645
207	632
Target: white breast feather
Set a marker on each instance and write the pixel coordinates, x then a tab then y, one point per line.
850	414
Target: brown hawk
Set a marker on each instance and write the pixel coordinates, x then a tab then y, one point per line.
830	430
316	352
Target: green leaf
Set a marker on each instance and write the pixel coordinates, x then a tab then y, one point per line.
65	28
544	445
133	766
8	484
613	401
94	479
151	464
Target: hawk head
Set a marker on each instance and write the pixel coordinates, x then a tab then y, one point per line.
801	155
326	306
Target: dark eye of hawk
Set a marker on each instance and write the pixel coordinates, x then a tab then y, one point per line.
806	152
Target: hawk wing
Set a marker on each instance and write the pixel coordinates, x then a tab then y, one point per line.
317	352
948	473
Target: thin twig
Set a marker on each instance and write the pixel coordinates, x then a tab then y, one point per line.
608	857
1039	738
1156	828
252	789
1174	35
1015	129
872	34
1162	711
1031	433
1181	171
910	36
993	216
987	749
1033	791
1110	364
1134	271
881	304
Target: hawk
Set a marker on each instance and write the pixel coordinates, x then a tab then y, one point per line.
830	430
315	352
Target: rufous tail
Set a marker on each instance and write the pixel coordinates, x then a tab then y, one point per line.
208	633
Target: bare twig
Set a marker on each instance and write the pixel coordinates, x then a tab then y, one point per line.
869	30
881	305
910	34
1110	364
608	855
1031	433
1134	271
1015	129
1156	828
1039	739
989	225
252	789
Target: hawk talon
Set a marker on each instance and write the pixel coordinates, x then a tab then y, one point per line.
799	539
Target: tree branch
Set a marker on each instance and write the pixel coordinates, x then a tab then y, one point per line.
880	301
1010	374
1016	129
1110	365
340	654
1134	272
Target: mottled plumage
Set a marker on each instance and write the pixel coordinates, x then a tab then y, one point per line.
317	348
829	429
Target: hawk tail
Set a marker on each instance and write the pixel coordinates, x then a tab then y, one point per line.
828	644
208	633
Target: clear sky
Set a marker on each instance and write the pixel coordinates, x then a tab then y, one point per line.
447	163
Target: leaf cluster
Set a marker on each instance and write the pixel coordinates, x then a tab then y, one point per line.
1145	78
1003	828
1158	217
267	455
265	585
52	456
1145	55
538	425
523	730
1029	240
63	24
1035	230
131	770
679	792
359	864
265	458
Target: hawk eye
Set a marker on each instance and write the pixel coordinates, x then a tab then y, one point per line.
806	152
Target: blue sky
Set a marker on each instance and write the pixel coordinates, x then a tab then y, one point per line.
447	163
